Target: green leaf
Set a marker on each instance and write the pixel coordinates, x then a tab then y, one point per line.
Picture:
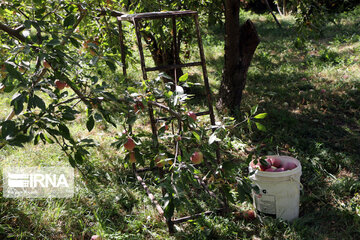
254	109
260	126
14	73
196	135
169	208
8	128
18	103
39	102
64	131
213	138
111	65
36	139
79	158
69	20
72	161
139	157
90	123
54	42
75	43
261	116
184	77
47	139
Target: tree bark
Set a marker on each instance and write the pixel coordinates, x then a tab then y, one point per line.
240	45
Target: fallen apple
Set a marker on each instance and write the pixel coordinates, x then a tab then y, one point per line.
197	157
130	144
60	85
95	237
132	157
192	115
249	215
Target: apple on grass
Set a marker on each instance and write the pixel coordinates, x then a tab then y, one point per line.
130	144
249	215
197	157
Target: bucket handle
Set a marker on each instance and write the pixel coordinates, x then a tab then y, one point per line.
295	180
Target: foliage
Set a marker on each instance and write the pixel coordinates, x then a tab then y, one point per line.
57	63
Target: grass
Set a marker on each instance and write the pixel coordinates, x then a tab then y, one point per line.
311	92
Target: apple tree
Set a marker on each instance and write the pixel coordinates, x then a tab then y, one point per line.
59	59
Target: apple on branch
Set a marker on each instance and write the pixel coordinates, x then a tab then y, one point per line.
132	157
139	106
60	85
197	157
130	144
46	64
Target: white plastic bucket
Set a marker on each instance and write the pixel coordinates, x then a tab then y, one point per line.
279	193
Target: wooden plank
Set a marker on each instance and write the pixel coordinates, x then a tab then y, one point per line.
155	15
122	47
141	52
187	218
174	66
206	82
148	192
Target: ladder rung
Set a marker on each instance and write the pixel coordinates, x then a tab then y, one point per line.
174	66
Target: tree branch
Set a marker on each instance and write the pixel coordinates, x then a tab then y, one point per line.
13	32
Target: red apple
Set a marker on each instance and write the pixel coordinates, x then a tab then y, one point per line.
279	170
95	237
276	162
249	215
60	85
46	64
197	157
192	115
270	170
129	145
138	106
132	157
264	166
289	165
3	72
92	52
22	69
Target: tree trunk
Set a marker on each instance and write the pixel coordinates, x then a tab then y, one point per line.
240	45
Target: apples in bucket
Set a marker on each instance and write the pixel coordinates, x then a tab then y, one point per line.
272	164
